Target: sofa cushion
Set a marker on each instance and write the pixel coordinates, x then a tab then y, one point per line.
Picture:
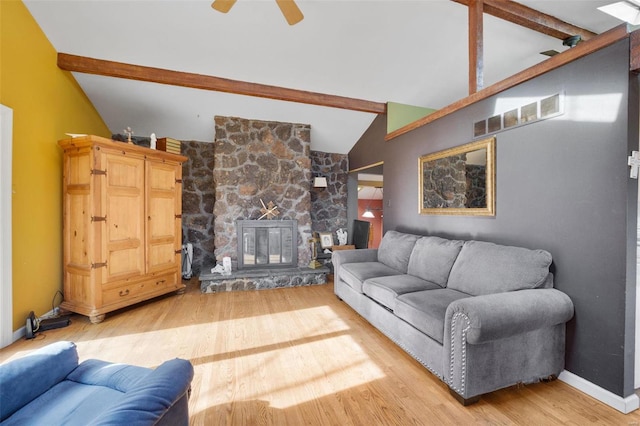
67	403
395	250
432	259
425	310
486	268
384	290
354	274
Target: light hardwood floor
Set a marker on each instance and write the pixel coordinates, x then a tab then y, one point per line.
300	356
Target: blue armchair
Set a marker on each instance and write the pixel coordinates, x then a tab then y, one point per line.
48	386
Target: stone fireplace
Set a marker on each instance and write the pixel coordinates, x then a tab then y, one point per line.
257	163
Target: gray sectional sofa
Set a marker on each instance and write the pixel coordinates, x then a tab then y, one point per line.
478	315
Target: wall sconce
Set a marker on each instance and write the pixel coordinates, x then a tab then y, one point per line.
628	11
320	182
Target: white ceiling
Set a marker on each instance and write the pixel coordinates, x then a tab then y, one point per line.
412	52
370	192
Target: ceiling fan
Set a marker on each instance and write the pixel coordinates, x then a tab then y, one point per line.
289	9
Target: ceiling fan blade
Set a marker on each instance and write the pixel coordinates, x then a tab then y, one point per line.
290	10
223	5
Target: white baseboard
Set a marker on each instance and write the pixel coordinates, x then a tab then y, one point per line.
624	405
19	333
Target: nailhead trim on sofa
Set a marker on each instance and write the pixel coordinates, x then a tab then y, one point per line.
467	325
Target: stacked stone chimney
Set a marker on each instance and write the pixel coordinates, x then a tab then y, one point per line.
258	162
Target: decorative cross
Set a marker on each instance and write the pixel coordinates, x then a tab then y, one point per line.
634	162
128	132
270	210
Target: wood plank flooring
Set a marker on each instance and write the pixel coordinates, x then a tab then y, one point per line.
300	356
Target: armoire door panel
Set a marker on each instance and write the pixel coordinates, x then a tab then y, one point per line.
161	215
123	217
124	223
123	263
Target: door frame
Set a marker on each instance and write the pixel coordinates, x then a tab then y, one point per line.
6	276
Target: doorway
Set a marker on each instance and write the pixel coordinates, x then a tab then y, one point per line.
370	206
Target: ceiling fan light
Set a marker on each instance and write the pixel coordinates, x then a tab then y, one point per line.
624	10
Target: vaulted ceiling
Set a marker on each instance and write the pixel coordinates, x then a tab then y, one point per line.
413	52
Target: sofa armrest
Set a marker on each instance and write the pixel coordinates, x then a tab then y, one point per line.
26	378
162	392
497	316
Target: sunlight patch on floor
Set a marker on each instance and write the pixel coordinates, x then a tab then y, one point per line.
293	375
236	336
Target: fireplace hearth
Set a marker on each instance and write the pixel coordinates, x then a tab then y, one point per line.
263	279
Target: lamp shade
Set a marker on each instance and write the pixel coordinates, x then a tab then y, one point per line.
319	182
368	213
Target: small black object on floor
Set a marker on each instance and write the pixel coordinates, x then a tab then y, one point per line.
35	325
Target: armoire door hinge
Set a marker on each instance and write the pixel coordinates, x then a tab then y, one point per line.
178	180
178	251
98	265
178	216
98	218
98	172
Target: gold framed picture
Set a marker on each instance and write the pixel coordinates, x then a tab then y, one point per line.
458	181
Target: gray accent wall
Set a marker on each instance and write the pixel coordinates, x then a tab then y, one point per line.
562	185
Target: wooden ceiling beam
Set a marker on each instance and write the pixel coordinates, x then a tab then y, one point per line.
634	51
87	65
372	183
533	19
476	46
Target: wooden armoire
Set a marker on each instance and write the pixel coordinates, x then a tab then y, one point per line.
122	233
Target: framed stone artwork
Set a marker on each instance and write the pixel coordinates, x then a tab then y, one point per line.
458	181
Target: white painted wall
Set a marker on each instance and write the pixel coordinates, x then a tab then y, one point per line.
6	281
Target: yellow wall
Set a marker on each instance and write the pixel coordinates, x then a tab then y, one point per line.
46	103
